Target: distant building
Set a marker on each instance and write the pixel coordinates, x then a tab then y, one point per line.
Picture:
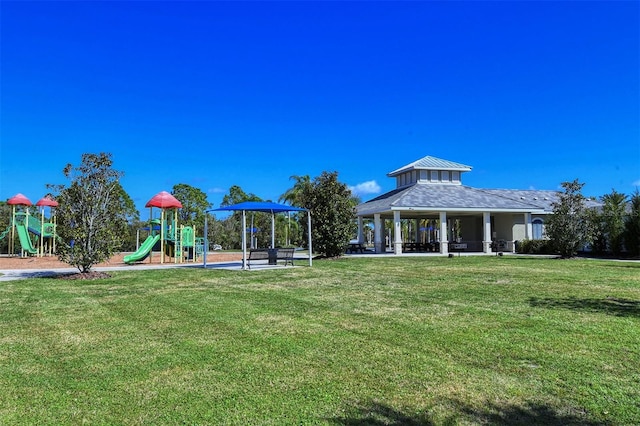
431	210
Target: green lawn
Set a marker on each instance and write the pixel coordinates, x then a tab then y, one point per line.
379	341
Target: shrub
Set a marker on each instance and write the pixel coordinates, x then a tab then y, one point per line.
533	247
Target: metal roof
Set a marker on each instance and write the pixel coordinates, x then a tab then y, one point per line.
431	163
539	197
430	197
434	197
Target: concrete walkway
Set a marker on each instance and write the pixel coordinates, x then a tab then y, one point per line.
20	274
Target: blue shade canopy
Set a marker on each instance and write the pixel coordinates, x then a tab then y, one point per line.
261	206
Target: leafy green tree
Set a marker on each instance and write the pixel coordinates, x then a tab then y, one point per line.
5	220
613	212
92	212
597	231
233	224
567	226
133	239
219	232
133	219
632	226
236	195
194	204
332	213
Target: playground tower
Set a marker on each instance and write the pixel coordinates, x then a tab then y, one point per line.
25	225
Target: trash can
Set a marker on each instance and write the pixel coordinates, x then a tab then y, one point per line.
273	256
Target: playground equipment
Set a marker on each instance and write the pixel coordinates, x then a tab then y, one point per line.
180	243
24	225
144	250
47	230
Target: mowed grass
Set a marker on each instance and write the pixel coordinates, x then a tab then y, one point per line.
467	340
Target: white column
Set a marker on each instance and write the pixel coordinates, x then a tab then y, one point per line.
360	230
444	235
486	236
378	242
397	233
528	227
417	232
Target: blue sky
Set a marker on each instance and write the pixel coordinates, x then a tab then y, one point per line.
215	94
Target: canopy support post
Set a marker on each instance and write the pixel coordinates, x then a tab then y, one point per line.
309	232
244	239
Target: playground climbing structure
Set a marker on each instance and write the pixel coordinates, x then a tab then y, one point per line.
35	235
177	242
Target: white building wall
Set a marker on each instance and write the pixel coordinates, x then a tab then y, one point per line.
519	227
503	226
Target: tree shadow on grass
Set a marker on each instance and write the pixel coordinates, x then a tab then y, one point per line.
609	305
529	414
377	414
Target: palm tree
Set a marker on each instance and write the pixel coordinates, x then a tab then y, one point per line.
293	194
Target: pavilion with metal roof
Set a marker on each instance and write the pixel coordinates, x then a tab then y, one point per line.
431	210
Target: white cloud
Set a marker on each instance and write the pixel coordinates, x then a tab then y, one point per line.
364	188
216	191
636	183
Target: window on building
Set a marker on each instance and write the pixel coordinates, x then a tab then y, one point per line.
434	176
445	176
455	176
537	230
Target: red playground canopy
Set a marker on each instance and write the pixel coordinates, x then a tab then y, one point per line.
47	202
19	200
164	200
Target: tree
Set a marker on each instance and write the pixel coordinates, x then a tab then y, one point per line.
194	204
613	211
597	231
632	226
293	196
567	226
332	212
92	212
236	195
5	220
132	216
232	235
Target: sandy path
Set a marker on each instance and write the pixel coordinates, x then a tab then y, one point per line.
52	262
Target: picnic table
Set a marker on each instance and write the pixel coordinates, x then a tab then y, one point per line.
355	247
